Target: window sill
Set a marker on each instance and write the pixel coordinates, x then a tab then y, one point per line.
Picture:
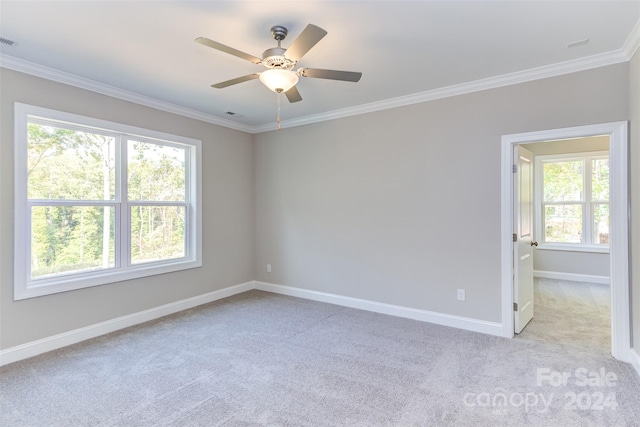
74	282
568	247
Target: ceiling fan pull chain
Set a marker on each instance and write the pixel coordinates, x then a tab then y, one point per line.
278	101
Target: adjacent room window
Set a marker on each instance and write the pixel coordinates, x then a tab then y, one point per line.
573	200
99	202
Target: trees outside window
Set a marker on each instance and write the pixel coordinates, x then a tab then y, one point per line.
98	202
573	199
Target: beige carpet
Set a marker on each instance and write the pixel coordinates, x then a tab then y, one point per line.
569	312
262	359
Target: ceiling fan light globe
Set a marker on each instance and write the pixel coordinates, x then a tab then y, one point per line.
279	80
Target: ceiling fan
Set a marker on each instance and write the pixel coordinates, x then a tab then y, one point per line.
280	62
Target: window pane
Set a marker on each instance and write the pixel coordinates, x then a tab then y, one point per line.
563	223
157	233
67	240
601	223
600	179
69	164
156	172
563	181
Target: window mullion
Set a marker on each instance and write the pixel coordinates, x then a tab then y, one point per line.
70	202
157	203
588	221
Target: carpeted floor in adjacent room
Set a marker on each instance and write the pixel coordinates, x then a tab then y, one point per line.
571	312
264	359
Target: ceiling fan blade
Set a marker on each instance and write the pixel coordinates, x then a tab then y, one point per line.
226	49
293	95
305	41
236	81
347	76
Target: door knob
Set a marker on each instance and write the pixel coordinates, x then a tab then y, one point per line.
534	243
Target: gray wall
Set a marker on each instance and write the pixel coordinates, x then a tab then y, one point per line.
634	114
228	235
596	264
591	263
403	206
399	206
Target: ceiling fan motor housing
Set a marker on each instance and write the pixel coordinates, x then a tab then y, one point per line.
274	58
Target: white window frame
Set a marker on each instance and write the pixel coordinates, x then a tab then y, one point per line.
24	286
587	202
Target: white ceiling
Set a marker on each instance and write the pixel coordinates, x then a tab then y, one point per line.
402	48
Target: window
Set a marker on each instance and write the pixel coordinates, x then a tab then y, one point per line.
100	202
573	201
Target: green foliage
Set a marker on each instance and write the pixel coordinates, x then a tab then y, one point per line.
67	164
71	239
157	232
72	165
563	223
564	182
600	179
156	172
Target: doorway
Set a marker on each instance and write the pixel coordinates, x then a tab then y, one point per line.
619	205
571	259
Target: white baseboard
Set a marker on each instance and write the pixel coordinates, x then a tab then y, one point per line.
635	359
34	348
44	345
604	280
466	323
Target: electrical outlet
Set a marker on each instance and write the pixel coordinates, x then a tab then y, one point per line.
268	268
461	295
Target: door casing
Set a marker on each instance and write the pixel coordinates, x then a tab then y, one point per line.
619	218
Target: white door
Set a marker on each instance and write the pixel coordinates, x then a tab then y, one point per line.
523	247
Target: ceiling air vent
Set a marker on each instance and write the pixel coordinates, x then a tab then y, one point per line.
577	43
7	42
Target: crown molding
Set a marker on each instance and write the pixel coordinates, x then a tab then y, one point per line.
562	68
17	64
610	58
632	43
